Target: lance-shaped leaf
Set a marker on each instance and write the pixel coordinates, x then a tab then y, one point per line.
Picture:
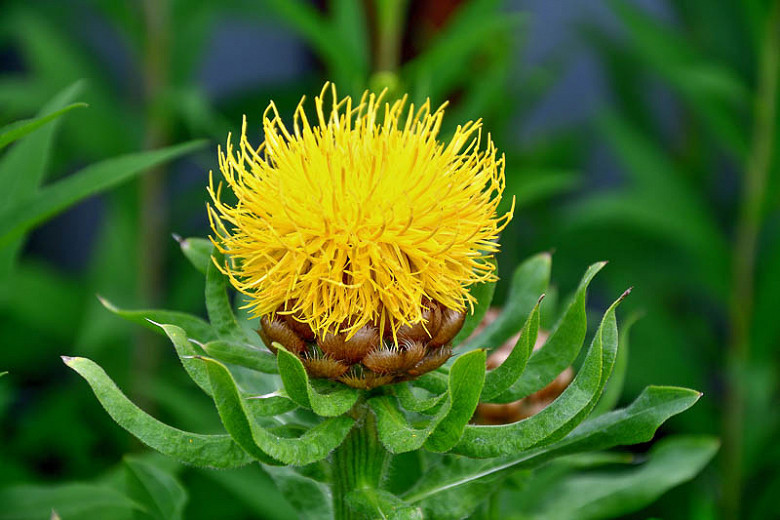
187	352
296	382
398	435
214	451
614	386
27	212
529	282
501	378
560	417
269	405
409	397
483	293
312	446
561	348
34	502
615	494
466	379
18	129
161	493
241	354
218	304
310	499
376	503
197	250
458	484
196	328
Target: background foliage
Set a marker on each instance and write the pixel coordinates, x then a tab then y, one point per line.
671	175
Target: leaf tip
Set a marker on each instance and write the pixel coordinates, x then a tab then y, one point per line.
68	359
105	303
625	293
177	237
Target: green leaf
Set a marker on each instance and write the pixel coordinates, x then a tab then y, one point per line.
215	451
28	212
31	156
18	129
561	348
483	293
465	386
529	282
71	501
312	446
458	483
196	328
408	397
241	354
500	379
614	387
594	495
376	503
197	250
269	405
337	401
218	304
560	417
161	493
311	499
186	352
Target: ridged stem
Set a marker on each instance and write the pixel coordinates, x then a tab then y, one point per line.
745	248
359	463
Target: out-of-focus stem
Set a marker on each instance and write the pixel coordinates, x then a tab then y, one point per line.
746	242
152	205
390	16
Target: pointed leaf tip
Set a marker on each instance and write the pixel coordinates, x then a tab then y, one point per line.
67	359
177	237
105	303
625	293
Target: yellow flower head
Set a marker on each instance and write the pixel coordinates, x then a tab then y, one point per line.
361	217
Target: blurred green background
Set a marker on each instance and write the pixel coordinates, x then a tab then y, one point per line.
641	132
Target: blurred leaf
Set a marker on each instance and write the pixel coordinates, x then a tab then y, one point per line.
29	211
312	446
254	488
76	501
337	401
30	156
217	451
13	131
529	281
311	499
375	503
712	90
476	24
614	494
163	495
659	202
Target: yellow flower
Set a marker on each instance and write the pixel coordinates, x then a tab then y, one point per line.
360	218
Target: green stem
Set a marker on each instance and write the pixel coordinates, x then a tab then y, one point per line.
360	462
745	248
152	206
390	17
